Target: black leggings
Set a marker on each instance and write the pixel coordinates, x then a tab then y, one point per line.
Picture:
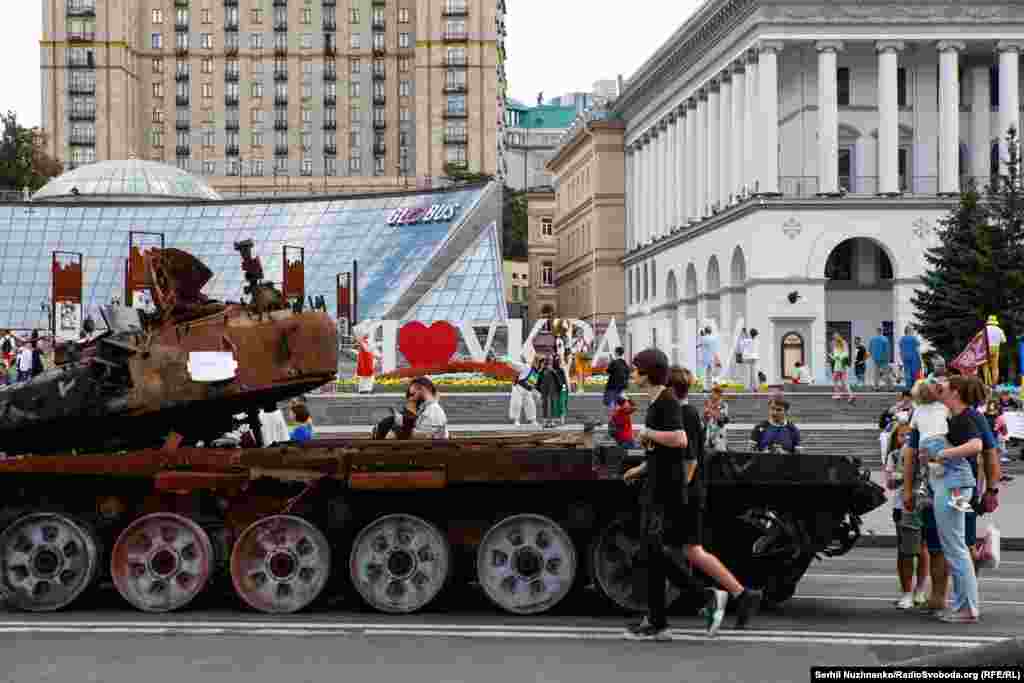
660	565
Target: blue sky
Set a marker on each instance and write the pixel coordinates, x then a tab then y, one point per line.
555	46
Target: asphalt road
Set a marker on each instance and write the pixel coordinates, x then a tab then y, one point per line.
842	615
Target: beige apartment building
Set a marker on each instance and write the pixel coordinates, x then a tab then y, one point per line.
588	231
541	249
278	95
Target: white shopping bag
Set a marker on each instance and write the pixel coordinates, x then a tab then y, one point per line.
988	548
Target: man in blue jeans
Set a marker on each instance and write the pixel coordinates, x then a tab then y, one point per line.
618	379
990	460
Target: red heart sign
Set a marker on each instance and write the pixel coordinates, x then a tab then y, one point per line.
428	347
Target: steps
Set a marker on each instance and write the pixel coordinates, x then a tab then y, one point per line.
352	409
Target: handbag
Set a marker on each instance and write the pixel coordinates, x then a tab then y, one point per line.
988	548
739	356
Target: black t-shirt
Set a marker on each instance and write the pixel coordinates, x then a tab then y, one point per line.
694	426
665	465
963	428
618	375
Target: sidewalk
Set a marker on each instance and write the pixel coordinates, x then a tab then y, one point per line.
877	529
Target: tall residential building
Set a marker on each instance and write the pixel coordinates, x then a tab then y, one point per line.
278	95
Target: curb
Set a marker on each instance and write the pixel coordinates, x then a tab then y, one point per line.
886	541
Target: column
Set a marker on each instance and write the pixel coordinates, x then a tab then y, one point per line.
981	125
949	116
643	191
681	214
651	190
828	118
725	140
768	116
739	103
702	154
677	195
888	117
1009	95
692	145
631	171
659	228
749	144
714	144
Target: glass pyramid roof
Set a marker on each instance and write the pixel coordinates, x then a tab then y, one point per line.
471	289
333	231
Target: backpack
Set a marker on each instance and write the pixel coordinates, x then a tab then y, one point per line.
37	362
7	346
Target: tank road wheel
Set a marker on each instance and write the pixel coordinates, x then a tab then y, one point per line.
161	562
47	560
613	557
399	563
280	564
526	564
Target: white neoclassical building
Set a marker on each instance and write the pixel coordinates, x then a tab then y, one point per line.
781	147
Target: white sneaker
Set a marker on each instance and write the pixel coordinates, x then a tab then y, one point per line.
714	611
961	504
906	602
516	424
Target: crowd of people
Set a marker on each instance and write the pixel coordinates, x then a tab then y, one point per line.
21	358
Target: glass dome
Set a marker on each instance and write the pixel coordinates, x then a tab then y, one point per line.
127	180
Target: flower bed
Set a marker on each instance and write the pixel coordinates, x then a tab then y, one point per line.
493	370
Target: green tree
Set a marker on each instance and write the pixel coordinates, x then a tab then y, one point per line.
978	268
515	224
23	161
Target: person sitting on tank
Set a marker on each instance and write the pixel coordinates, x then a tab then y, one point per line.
304	431
777	433
423	410
621	423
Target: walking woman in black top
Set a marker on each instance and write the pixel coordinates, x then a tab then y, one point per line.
670	518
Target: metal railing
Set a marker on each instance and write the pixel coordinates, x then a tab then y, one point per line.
454	9
82	114
81	9
330	75
455	138
455	36
454	88
82	140
456	61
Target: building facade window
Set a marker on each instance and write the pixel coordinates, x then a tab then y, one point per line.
353	15
843	86
354	41
257	15
545	227
356	115
547	274
405	87
307	41
209	167
207	17
378	41
403	40
307	15
257	138
355	65
158	89
158	65
206	65
256	89
307	91
206	41
158	16
158	116
355	164
353	88
901	87
403	15
156	41
256	41
330	166
404	114
403	64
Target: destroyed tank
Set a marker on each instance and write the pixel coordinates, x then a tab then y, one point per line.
189	366
525	519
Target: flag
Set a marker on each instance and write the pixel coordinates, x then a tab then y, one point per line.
974	356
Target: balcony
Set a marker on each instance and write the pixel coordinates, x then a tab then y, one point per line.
455	10
379	149
455	114
456	61
231	76
330	125
82	140
330	76
181	26
181	100
82	9
231	3
280	49
82	115
305	171
183	150
330	100
280	76
280	150
455	88
181	3
379	124
330	25
378	3
330	50
379	98
82	88
81	36
231	28
231	49
182	76
281	100
330	150
455	138
281	26
181	50
87	63
455	36
379	49
329	3
231	124
280	124
378	24
457	165
280	3
378	75
231	150
183	125
231	100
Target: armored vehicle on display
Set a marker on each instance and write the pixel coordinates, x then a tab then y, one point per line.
189	366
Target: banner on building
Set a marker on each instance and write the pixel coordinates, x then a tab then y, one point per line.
66	296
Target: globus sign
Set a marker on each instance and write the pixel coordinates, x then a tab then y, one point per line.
435	213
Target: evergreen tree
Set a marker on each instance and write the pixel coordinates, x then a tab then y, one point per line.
23	160
978	268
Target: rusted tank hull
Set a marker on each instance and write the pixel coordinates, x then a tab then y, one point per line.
481	510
